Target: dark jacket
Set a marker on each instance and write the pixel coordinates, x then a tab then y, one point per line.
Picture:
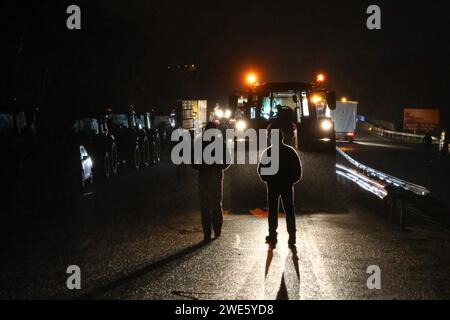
289	170
211	169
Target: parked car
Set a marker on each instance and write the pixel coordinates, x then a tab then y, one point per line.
87	167
13	136
91	130
144	121
133	147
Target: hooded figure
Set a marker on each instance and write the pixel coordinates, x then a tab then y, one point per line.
281	185
210	182
285	122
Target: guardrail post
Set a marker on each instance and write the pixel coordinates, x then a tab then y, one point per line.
392	201
393	197
398	195
403	212
404	208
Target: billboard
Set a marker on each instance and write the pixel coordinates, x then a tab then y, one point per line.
420	119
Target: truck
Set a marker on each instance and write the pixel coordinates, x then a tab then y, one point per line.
191	114
307	105
344	118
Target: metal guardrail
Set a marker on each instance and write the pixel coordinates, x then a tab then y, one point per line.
382	177
364	182
403	136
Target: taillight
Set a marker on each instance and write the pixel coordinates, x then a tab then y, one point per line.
351	134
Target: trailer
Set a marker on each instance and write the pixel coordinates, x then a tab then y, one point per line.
344	118
192	114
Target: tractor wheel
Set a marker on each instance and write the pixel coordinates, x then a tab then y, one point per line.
114	161
146	153
136	158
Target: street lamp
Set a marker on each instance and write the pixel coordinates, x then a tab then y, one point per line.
320	78
251	79
344	99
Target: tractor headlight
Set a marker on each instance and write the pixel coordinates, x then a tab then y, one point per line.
219	113
326	125
241	125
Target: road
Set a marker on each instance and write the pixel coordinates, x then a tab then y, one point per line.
138	237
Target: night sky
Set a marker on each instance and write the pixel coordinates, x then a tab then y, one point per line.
121	55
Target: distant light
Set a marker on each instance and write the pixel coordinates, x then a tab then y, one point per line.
227	114
344	99
251	78
320	77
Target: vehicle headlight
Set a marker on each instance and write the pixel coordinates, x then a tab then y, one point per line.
241	125
316	99
227	114
326	125
219	113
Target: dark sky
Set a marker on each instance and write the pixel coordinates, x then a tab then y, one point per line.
122	52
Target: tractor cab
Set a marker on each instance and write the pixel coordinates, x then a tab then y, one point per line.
306	105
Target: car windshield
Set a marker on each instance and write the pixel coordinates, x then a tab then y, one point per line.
119	120
86	125
6	121
269	108
140	121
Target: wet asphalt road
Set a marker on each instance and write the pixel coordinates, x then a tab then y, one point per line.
138	237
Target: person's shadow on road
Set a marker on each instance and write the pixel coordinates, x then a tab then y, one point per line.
289	286
144	271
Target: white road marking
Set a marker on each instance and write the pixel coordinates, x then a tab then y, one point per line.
238	241
317	263
384	145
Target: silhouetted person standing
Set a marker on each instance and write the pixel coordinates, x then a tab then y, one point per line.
281	185
284	121
210	181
